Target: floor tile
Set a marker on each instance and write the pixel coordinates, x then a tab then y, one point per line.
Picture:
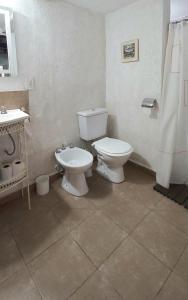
60	270
98	236
161	238
65	239
126	213
19	287
10	259
174	289
181	268
144	194
96	288
134	272
173	213
16	212
4	223
69	200
37	233
101	192
135	175
44	202
70	218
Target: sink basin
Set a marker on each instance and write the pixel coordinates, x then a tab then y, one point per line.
13	116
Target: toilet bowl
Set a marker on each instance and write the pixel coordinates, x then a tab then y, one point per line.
112	154
75	162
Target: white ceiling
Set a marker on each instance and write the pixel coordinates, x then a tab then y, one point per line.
102	6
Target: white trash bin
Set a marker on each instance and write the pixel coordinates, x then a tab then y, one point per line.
42	184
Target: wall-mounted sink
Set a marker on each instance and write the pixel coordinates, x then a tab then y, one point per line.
12	116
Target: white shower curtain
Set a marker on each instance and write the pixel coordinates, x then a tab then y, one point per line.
173	153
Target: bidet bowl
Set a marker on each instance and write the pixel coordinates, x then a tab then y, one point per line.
76	162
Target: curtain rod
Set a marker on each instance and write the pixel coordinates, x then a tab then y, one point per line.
180	20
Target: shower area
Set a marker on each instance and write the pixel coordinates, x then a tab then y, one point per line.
172	172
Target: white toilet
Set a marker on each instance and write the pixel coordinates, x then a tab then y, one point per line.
76	162
112	153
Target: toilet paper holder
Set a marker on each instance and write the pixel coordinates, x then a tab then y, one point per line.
150	103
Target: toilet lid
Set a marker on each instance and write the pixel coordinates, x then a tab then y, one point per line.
113	146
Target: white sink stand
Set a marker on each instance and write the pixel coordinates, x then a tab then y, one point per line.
18	127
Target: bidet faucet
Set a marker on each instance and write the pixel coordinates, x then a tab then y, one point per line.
63	147
3	110
58	150
71	145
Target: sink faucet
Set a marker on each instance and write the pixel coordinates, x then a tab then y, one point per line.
3	110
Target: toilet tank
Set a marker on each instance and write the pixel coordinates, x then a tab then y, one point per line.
92	123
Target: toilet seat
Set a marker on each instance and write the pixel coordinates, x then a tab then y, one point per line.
112	146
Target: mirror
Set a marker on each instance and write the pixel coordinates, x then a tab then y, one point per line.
8	61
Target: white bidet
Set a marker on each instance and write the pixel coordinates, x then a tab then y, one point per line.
76	162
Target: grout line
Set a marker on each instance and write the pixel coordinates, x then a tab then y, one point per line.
129	235
170	268
163	263
78	288
140	222
84	252
29	273
94	209
58	240
33	214
169	222
154	256
125	229
185	248
171	272
97	268
35	283
163	285
114	250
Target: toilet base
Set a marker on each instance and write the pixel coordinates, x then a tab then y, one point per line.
75	184
115	175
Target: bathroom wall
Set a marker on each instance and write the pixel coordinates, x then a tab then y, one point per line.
179	9
129	83
62	48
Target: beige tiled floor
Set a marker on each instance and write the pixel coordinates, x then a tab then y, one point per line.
118	242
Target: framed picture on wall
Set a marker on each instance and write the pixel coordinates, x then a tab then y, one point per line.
130	51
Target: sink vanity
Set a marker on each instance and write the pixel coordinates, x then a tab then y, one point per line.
13	122
12	116
13	172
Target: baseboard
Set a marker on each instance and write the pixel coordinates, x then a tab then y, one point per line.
55	176
142	167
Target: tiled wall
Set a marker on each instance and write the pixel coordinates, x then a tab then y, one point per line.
17	99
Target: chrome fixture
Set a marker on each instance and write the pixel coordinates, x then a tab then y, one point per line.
150	103
3	110
63	147
71	145
58	150
59	168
